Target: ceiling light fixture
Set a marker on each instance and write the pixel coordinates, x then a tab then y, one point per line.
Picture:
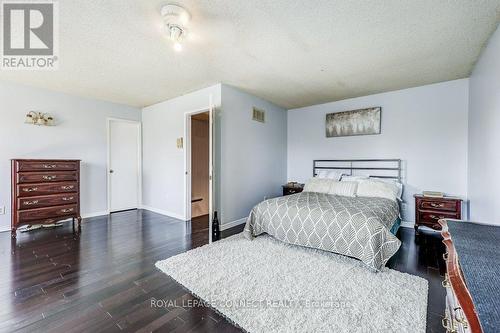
175	18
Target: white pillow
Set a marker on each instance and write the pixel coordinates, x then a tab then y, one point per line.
347	189
318	185
353	178
392	181
329	174
373	188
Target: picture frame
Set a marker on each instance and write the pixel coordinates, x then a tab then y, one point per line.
366	121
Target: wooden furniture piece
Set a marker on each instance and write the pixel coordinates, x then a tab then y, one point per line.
44	192
292	188
429	210
471	279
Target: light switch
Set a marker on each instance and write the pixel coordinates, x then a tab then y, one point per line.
180	143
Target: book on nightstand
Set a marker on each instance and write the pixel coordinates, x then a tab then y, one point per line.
433	194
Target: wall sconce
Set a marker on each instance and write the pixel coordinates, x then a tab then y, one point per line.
40	119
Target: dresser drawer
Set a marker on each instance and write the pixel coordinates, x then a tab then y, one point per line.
46	201
43	177
448	206
434	217
45	213
455	318
29	190
47	165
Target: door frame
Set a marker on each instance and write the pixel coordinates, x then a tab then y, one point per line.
187	165
108	159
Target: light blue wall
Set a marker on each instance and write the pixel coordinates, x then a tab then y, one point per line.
80	133
252	154
425	126
484	135
250	157
163	171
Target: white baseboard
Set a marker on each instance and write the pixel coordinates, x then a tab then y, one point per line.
164	212
407	224
95	214
231	224
180	217
89	215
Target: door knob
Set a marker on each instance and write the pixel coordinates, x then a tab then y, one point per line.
111	171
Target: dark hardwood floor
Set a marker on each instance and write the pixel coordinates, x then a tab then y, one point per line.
423	256
103	280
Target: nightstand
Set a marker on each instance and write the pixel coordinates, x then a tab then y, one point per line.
292	188
429	210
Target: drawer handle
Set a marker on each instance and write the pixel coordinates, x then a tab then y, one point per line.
448	326
67	199
68	187
67	210
441	205
49	166
434	217
460	317
30	189
34	202
49	177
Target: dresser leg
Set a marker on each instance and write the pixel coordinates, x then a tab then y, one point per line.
416	230
13	233
79	218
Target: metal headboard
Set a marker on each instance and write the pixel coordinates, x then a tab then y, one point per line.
388	168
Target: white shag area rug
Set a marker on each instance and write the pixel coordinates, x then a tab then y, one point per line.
265	285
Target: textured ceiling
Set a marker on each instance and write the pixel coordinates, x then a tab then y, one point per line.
292	53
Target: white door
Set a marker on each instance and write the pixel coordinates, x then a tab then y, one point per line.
123	165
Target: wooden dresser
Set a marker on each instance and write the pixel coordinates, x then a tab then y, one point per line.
429	210
472	277
44	192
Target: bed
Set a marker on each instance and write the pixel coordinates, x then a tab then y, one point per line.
356	226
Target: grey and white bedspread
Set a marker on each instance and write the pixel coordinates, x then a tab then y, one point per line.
357	227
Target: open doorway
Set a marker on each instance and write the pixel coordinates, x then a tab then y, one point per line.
200	171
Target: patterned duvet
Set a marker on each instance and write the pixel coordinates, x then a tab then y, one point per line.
357	227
